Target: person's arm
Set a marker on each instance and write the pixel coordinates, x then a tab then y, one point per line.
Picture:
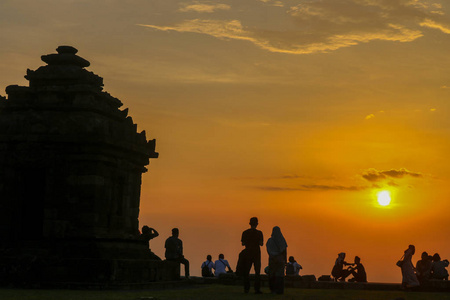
181	248
261	241
243	239
154	233
228	265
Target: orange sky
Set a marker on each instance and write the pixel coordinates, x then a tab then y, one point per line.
296	112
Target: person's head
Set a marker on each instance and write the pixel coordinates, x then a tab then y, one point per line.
436	257
342	255
221	256
175	232
208	257
276	231
291	259
254	222
412	248
424	255
357	260
145	229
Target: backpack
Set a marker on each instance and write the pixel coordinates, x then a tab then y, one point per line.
206	272
290	269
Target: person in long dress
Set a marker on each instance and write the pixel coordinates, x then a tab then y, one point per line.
276	248
409	278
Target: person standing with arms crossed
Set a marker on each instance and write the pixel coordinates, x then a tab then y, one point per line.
252	239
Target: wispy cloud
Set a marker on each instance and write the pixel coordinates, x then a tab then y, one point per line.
313	187
374	175
233	29
432	24
376	178
368	117
203	7
273	2
315	26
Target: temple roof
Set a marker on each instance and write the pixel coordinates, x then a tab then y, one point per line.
66	56
64	68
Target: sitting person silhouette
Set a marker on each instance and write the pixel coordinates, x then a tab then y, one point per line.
207	267
292	267
358	271
423	267
147	234
338	271
438	269
174	251
220	265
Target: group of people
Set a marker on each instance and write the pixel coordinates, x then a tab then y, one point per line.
252	239
356	269
173	245
428	267
220	266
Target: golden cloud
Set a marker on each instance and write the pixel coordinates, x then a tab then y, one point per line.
203	7
317	26
432	24
233	29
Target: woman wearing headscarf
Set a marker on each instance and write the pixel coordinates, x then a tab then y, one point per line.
409	278
276	248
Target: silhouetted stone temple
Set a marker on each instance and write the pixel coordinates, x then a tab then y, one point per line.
71	164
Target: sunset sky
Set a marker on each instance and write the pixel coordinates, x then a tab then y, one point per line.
294	111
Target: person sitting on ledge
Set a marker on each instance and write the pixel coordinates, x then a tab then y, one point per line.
438	270
338	271
207	267
174	251
358	271
292	267
423	267
220	265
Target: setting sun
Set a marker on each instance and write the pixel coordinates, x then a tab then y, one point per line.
384	198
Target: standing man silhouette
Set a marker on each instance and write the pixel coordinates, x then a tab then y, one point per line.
252	239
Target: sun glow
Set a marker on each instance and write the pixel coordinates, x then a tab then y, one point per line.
384	198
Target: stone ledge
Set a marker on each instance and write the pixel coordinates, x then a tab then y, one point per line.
299	282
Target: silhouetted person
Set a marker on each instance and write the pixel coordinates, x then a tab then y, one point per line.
338	271
438	268
277	249
423	267
147	234
252	239
174	251
207	267
409	278
220	265
358	271
292	267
